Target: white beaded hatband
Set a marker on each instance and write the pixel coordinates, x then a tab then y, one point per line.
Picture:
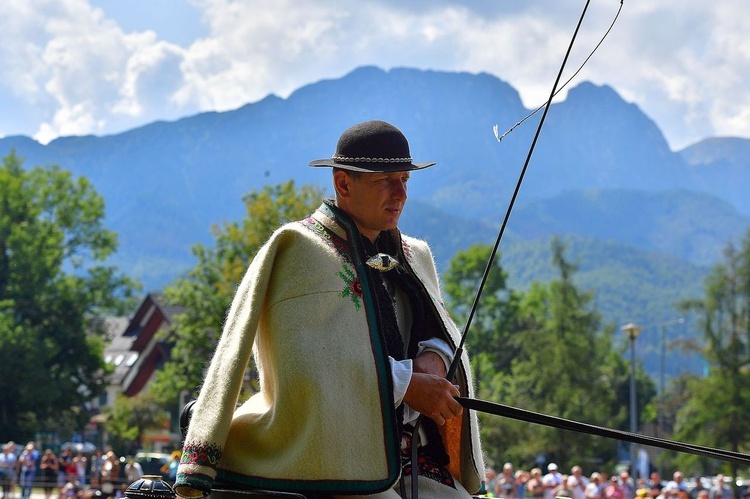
343	159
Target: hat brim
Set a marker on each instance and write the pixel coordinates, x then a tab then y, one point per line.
371	167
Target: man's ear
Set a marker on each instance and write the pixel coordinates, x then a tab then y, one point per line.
342	183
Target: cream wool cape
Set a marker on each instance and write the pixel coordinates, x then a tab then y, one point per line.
324	420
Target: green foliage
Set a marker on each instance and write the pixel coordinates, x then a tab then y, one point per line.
52	282
629	285
207	290
554	358
717	412
497	308
563	357
129	417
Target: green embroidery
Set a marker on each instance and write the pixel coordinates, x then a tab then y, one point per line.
353	287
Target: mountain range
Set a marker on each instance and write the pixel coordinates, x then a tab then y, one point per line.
643	220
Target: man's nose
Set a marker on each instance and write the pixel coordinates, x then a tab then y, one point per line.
399	189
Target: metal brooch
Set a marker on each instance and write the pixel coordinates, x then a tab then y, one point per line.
382	262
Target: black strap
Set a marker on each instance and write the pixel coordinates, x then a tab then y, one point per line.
567	424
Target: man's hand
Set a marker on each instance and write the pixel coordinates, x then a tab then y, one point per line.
429	392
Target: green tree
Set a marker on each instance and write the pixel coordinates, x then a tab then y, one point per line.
561	363
129	417
492	341
565	352
207	290
52	283
718	410
490	337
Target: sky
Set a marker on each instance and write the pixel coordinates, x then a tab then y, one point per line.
77	67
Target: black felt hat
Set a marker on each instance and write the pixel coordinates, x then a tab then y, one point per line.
372	146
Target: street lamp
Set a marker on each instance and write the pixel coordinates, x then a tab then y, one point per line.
632	331
664	327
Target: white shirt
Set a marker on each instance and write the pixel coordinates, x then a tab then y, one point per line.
552	478
403	369
577	485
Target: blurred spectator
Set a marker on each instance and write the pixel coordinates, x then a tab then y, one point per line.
110	476
521	478
563	490
701	484
613	490
534	486
28	460
80	463
505	484
654	484
17	471
97	461
720	490
642	490
676	488
628	487
71	490
490	479
551	481
8	461
577	483
133	471
49	466
94	491
65	464
594	487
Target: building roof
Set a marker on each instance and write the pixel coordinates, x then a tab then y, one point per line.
118	350
134	347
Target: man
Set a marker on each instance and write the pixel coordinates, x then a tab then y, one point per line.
97	461
676	488
133	470
654	484
720	490
594	489
551	481
15	469
628	487
505	484
7	470
28	460
352	342
577	483
698	487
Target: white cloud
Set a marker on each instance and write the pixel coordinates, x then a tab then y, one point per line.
686	63
672	61
256	48
151	75
66	56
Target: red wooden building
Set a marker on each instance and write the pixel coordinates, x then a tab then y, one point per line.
136	350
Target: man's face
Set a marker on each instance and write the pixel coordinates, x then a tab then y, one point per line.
375	200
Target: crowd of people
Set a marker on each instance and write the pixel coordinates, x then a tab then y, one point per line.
68	474
101	475
534	484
